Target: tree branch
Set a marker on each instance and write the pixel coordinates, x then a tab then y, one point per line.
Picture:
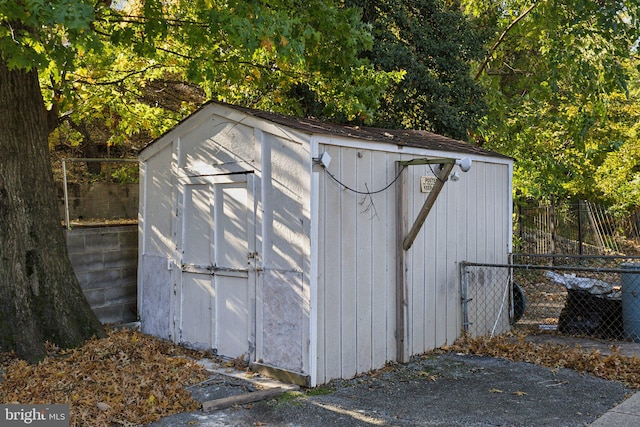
138	19
122	79
501	39
267	67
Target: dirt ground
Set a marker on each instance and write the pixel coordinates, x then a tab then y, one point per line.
434	390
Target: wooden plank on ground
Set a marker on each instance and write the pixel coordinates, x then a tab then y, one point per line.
254	396
282	375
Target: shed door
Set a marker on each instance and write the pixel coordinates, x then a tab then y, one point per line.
217	288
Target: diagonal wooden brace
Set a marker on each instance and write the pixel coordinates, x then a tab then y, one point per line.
442	174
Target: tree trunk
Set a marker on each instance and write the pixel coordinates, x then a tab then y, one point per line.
40	297
88	146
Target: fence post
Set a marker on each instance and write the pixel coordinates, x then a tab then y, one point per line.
521	229
579	227
66	194
463	295
552	225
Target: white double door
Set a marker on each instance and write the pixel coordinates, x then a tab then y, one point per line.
215	290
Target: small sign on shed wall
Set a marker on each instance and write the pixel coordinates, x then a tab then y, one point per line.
427	183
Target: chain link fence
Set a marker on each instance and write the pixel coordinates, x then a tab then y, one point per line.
596	296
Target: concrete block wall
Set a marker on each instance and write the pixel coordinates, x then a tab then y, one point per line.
99	200
105	260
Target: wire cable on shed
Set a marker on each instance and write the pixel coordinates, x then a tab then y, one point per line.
366	192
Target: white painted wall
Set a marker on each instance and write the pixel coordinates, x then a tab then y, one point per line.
155	244
282	321
470	221
356	244
211	142
357	253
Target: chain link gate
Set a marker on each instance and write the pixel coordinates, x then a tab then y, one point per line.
595	296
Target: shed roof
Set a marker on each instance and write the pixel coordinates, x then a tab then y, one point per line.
399	137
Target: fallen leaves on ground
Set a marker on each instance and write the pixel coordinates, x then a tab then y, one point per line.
612	367
128	378
238	363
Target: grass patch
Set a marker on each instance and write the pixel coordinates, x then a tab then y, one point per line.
320	391
289	398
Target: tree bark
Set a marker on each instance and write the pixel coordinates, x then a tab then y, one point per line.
88	146
40	297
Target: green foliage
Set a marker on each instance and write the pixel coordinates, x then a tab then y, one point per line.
102	67
35	33
618	176
558	81
126	174
434	46
258	55
322	390
288	398
555	73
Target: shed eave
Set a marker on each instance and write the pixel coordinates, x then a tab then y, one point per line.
301	130
192	121
332	140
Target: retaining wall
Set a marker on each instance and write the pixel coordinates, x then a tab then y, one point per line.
101	200
105	260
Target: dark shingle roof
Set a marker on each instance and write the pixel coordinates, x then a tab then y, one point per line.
399	137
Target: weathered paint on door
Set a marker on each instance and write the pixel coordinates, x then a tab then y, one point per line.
216	285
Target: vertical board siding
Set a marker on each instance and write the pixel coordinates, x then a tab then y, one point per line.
463	209
320	302
283	205
157	222
308	312
215	139
382	264
330	235
356	289
480	214
156	246
456	206
491	211
283	317
197	297
348	296
415	257
362	250
471	248
439	244
364	262
469	221
430	303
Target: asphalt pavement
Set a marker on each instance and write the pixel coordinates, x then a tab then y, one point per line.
434	390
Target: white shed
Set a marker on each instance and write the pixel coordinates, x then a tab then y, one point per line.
298	244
